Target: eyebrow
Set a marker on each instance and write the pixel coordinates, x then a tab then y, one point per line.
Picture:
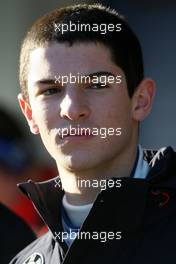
91	75
45	81
100	73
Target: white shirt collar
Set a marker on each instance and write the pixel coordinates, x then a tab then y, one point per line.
142	167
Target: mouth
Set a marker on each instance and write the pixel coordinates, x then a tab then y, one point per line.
75	136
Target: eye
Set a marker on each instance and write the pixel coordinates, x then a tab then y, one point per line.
98	85
51	91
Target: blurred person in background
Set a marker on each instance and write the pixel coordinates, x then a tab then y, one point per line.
17	164
15	233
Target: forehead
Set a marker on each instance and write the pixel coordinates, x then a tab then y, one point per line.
62	59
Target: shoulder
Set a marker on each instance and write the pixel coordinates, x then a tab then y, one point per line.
37	249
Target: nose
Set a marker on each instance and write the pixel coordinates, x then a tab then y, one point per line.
74	106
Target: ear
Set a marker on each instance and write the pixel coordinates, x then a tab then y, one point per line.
142	99
27	112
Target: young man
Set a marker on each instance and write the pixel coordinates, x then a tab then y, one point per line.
112	202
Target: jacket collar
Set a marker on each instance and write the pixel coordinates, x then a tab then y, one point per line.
47	196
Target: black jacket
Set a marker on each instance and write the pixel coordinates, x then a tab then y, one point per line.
143	210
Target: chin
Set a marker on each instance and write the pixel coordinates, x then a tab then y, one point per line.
77	162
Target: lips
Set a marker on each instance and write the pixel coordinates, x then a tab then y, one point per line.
81	134
76	135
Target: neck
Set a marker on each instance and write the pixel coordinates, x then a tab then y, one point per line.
82	187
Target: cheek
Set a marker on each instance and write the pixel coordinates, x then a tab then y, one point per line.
113	112
44	115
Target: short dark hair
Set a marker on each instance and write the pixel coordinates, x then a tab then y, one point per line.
124	45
